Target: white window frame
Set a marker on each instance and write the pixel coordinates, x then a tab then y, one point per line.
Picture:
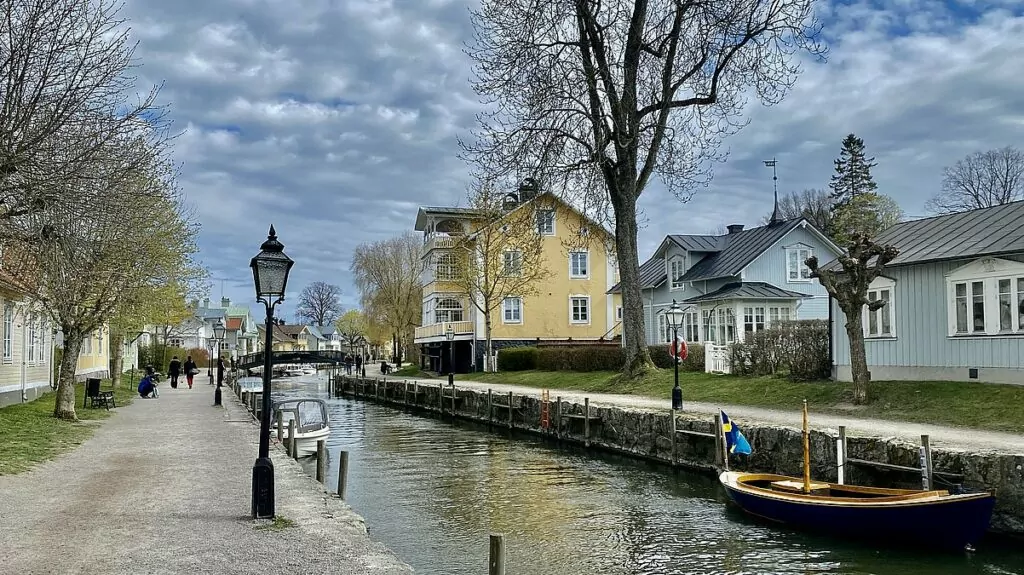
445	267
618	313
176	342
87	345
876	291
988	272
802	272
574	256
517	310
676	283
691	325
448	312
8	333
548	230
755	316
572	311
512	261
30	356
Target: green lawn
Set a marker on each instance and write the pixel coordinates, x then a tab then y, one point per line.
983	406
31	434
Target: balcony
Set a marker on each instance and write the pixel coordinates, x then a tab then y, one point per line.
438	242
437	329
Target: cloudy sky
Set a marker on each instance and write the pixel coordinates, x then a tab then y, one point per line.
335	119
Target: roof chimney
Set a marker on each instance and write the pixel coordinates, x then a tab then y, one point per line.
206	303
734	228
528	189
225	302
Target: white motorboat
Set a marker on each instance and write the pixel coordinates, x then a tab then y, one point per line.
311	421
250	384
293	371
308	370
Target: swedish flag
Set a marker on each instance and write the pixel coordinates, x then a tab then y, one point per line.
733	438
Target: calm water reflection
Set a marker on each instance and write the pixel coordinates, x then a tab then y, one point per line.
432	492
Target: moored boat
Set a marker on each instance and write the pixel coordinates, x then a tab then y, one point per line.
311	421
932	518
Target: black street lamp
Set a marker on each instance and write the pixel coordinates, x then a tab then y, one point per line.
449	334
674	315
270	274
218	336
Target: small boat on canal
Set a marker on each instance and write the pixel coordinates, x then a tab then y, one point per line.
311	421
932	518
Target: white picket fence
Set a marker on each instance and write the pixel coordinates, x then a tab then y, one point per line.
716	358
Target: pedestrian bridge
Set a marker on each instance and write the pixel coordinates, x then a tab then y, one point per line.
292	357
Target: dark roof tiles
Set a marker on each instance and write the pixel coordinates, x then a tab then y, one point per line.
747	290
737	250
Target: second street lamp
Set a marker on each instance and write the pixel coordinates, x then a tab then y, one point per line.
674	315
218	336
449	334
270	270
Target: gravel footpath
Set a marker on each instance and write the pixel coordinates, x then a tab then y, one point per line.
164	487
941	436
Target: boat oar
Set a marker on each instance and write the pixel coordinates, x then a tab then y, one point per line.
807	453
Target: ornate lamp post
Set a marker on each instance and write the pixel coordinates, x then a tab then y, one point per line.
449	334
218	336
674	315
270	270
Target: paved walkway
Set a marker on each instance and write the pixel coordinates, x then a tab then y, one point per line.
164	487
941	436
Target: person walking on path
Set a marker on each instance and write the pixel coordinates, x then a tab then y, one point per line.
191	369
359	364
174	370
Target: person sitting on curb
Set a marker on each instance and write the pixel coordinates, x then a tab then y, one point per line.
147	388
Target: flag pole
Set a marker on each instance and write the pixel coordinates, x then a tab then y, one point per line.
807	453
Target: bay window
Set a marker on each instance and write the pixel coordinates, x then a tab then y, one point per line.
986	297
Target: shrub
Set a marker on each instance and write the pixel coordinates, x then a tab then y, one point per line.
517	358
694	357
581	358
799	348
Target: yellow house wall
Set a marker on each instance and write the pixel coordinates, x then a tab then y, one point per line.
546	314
37	374
95	357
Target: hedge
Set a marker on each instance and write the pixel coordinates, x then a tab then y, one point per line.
694	357
581	358
517	358
797	348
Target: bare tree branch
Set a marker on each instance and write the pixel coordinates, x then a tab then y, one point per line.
981	180
319	304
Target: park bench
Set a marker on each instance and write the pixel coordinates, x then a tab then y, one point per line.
94	395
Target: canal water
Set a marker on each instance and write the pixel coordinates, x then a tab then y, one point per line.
432	492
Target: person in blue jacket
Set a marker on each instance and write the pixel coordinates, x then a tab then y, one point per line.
147	388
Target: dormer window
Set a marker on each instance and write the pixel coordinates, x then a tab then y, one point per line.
676	269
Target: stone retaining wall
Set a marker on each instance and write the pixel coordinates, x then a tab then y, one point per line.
776	449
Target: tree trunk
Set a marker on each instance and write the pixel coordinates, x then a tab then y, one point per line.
488	346
858	356
64	406
638	358
116	358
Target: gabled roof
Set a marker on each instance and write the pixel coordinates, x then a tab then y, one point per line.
210	312
233	323
238	311
328	330
738	249
982	232
289	331
314	331
697	243
550	196
424	211
747	290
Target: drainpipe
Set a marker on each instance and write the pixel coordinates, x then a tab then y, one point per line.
831	342
24	356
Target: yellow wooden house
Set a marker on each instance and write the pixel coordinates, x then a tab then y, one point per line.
26	347
571	302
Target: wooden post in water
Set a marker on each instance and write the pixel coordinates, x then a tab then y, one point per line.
586	422
490	408
440	398
292	440
496	555
342	474
415	393
807	452
453	401
841	455
721	446
405	392
672	414
280	426
558	417
927	480
510	425
321	461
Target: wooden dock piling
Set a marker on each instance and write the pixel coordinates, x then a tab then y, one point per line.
496	555
841	455
586	422
292	440
490	407
321	461
558	417
342	474
280	426
672	414
510	412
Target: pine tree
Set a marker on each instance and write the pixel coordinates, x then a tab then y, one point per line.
853	172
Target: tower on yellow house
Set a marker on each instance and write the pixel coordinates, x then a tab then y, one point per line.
570	302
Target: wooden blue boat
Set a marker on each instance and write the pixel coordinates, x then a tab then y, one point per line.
932	518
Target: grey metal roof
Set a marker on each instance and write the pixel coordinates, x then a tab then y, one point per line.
737	250
421	214
695	243
747	290
652	274
985	231
211	312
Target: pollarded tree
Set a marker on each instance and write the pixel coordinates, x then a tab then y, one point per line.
981	180
863	261
593	98
502	260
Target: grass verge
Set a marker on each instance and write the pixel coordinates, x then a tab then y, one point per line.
981	406
277	524
412	371
32	435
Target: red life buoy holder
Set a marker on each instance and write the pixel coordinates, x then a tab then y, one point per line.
678	349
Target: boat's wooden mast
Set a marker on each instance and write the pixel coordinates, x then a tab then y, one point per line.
807	453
